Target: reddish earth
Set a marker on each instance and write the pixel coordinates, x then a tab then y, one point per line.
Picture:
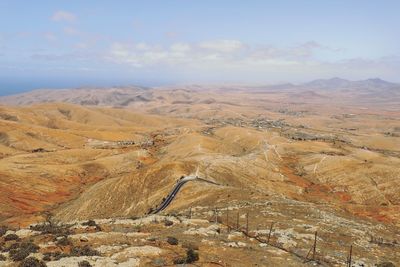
321	154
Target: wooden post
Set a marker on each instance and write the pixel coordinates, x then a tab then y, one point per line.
270	232
237	221
314	246
227	220
247	223
190	213
216	215
350	255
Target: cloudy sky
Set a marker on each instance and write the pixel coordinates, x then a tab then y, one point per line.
78	43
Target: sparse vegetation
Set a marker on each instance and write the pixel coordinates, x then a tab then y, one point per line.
11	237
12	246
84	264
39	150
8	117
172	240
45	228
32	262
92	223
181	260
89	223
46	256
385	264
3	230
191	256
49	256
51	227
168	222
18	254
63	241
84	251
23	251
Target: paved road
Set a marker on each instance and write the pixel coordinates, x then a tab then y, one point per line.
175	191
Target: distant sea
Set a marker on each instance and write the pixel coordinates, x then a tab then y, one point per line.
20	86
12	88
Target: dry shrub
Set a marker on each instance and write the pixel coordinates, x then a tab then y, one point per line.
32	262
84	251
23	251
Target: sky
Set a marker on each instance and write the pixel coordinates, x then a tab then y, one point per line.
55	44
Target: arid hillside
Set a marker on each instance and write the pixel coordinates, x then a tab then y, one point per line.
335	164
51	153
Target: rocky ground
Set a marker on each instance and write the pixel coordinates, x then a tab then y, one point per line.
268	233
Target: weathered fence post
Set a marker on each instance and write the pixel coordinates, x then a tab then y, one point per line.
247	224
314	246
216	215
227	220
237	221
349	257
270	232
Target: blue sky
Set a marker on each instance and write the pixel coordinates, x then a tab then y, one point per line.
79	43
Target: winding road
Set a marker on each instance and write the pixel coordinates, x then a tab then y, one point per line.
175	191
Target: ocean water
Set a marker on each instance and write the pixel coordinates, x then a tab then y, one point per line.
16	86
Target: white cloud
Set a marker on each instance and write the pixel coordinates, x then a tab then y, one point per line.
143	46
224	46
62	15
300	52
181	47
218	60
233	61
217	52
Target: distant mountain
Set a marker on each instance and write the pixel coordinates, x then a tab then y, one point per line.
375	83
281	86
370	90
327	83
116	96
338	83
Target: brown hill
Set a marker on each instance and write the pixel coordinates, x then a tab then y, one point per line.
71	155
79	162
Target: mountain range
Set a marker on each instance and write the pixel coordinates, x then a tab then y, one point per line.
370	91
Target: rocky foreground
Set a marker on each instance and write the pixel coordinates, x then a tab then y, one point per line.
258	232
